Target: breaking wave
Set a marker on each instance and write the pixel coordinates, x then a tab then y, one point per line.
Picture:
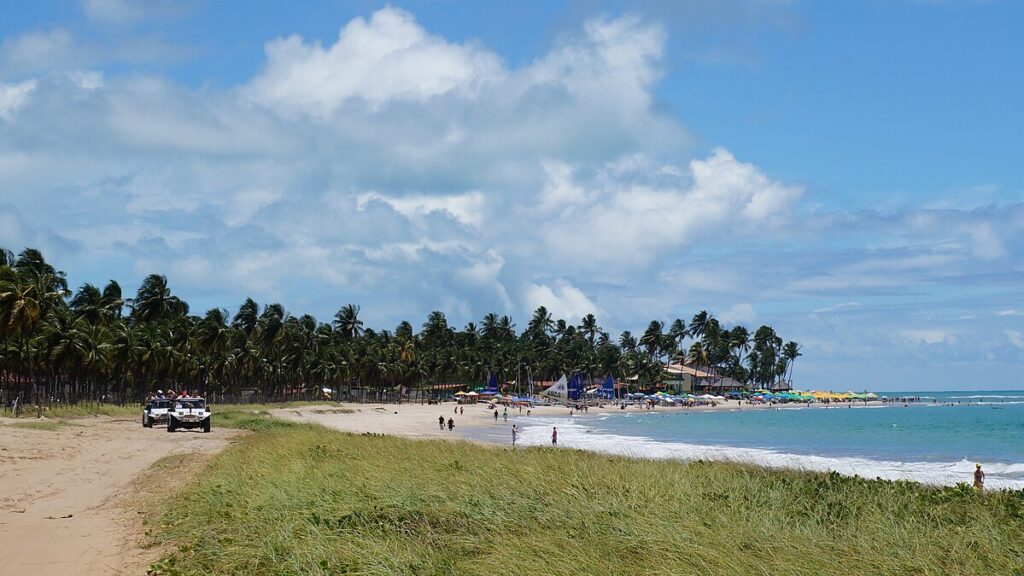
579	435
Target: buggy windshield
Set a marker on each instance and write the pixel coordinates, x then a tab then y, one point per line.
159	403
190	404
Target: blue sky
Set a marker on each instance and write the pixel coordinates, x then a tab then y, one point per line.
849	173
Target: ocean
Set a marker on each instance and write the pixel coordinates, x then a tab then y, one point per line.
936	441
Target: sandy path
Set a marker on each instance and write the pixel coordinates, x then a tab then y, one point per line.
63	492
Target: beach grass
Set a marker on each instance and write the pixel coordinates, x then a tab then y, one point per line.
301	499
44	424
82	410
91	409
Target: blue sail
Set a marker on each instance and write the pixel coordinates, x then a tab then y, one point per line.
609	387
575	387
492	385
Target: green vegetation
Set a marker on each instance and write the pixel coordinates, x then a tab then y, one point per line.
48	425
63	345
295	499
87	410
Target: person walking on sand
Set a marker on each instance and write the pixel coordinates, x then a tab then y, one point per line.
504	415
515	432
979	478
451	424
495	415
440	422
554	436
462	410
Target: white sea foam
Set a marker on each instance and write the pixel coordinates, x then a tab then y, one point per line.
579	435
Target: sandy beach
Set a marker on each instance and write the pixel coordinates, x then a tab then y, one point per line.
71	500
421	420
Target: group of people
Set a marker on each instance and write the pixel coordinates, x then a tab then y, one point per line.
169	395
460	410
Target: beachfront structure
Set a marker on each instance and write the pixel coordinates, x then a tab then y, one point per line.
690	379
685	378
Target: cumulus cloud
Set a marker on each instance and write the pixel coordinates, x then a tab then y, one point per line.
561	298
385	58
632	219
742	313
407	172
466	208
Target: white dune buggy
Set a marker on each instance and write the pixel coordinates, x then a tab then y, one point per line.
156	411
189	413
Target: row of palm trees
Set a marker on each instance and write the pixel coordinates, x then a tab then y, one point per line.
93	343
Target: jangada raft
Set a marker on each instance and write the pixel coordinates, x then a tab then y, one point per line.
189	413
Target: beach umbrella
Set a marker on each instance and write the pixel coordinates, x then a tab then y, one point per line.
471	394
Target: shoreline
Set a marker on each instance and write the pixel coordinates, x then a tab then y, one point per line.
477	425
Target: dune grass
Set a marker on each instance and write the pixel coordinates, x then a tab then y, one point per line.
47	424
91	409
299	499
83	410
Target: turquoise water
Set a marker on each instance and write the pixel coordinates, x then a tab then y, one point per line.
931	441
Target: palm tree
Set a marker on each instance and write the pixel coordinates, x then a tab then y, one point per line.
541	322
652	338
347	322
154	301
79	346
698	324
590	329
790	352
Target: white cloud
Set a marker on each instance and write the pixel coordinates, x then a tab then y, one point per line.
836	307
561	298
1010	312
742	313
628	222
985	243
1015	338
38	50
928	336
13	97
466	208
247	203
559	190
389	57
367	170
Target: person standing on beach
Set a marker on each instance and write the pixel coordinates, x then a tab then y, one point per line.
554	436
515	432
495	415
462	411
451	424
979	478
440	422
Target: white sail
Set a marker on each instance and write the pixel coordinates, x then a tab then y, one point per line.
559	389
